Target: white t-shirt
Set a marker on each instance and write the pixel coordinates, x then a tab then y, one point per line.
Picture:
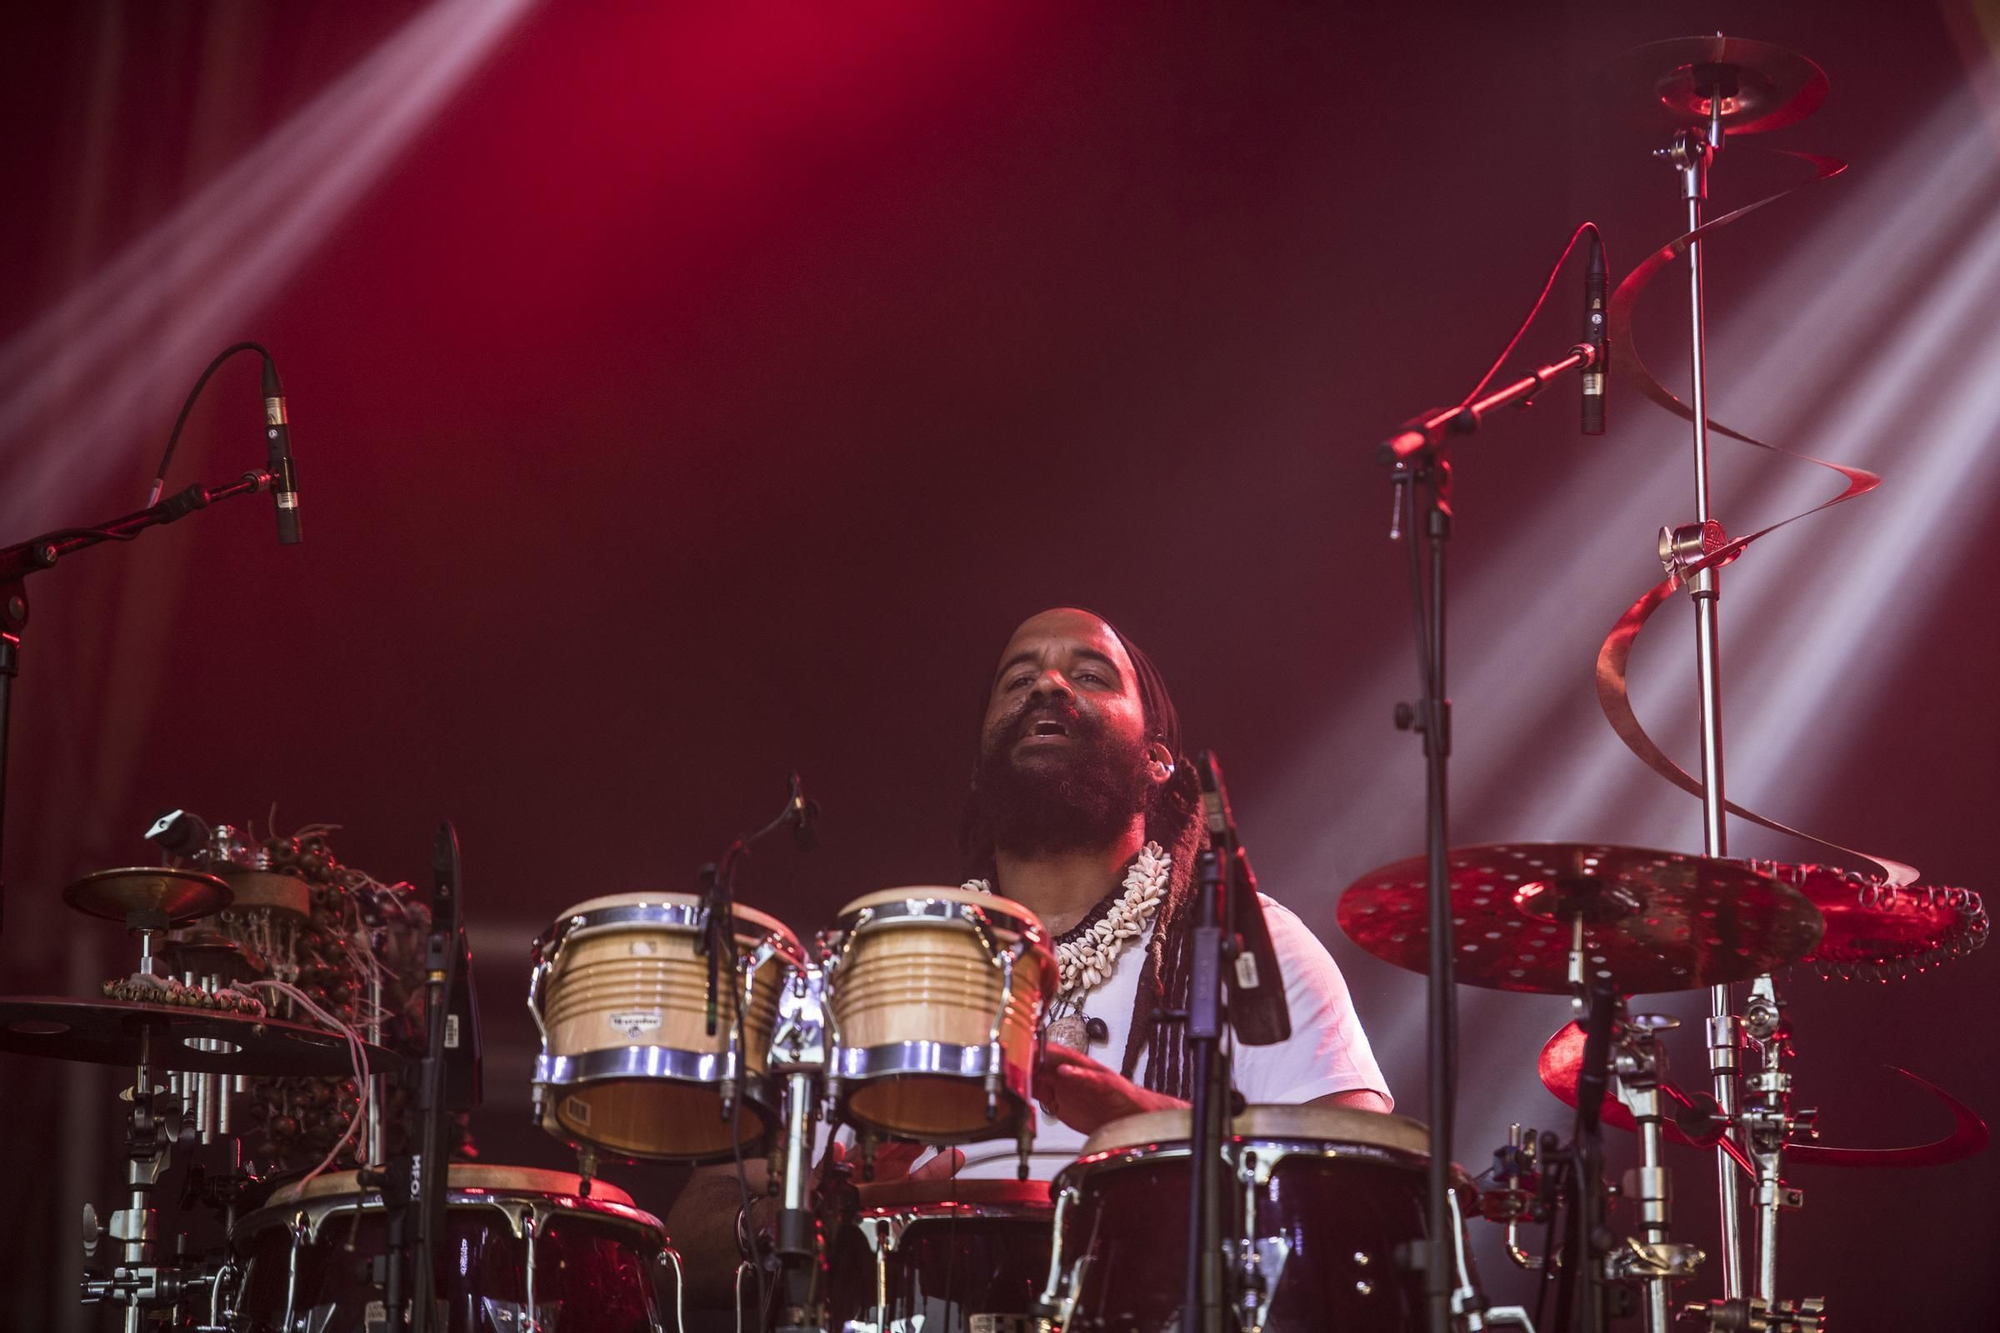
1326	1053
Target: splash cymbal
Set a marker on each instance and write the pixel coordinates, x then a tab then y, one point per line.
1687	1120
1652	921
1673	84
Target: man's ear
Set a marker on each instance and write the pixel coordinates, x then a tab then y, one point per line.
1159	763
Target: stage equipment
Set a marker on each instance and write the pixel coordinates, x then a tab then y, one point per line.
1418	456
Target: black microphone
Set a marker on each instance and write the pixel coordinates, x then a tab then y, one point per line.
802	811
1257	1007
1593	334
278	456
462	1055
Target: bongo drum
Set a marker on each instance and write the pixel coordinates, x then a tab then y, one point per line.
935	997
620	992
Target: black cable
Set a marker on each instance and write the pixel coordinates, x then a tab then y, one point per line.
1548	286
1548	1246
160	478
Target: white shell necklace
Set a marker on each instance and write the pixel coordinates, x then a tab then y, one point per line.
1085	958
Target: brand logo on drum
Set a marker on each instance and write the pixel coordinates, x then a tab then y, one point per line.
635	1021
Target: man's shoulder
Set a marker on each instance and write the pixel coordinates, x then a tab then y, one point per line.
1286	926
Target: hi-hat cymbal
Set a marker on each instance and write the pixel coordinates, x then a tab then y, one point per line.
1652	921
1562	1062
114	1032
1675	83
181	896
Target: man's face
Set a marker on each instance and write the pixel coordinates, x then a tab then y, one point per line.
1063	750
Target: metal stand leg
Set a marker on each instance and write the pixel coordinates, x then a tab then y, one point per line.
1691	153
1656	1261
799	1051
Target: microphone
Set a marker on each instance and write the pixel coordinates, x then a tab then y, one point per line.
802	811
451	955
1257	1007
278	456
1593	335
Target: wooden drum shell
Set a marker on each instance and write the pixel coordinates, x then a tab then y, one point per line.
908	980
636	992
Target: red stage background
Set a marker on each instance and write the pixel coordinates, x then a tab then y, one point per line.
683	393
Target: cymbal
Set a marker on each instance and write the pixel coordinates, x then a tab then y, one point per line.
182	896
113	1032
1876	930
1685	1120
1562	1060
1673	84
207	953
270	889
1653	921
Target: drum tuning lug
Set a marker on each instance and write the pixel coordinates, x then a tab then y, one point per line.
92	1230
586	1168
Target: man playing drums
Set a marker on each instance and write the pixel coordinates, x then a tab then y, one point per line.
1084	809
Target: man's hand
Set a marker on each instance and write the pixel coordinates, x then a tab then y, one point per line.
1086	1095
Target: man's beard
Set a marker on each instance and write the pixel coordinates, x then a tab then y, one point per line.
1079	798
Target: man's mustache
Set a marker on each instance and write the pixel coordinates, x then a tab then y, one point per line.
1072	720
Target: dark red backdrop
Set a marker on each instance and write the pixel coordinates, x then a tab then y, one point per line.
706	390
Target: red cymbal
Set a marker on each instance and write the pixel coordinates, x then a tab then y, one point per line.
1562	1059
1653	921
1877	930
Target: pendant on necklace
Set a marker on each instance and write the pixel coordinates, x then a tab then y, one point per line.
1072	1031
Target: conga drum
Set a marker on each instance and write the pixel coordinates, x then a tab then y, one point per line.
522	1249
936	998
1318	1204
620	993
947	1256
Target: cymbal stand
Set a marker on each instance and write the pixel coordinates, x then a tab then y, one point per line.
153	1126
1691	154
799	1053
1654	1261
1769	1122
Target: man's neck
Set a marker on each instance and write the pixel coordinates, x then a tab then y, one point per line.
1062	887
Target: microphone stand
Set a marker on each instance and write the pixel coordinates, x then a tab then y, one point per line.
33	556
442	959
1583	1273
1418	456
1209	1097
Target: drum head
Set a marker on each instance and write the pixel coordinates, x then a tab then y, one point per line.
976	1191
492	1179
751	924
1337	1124
1004	913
